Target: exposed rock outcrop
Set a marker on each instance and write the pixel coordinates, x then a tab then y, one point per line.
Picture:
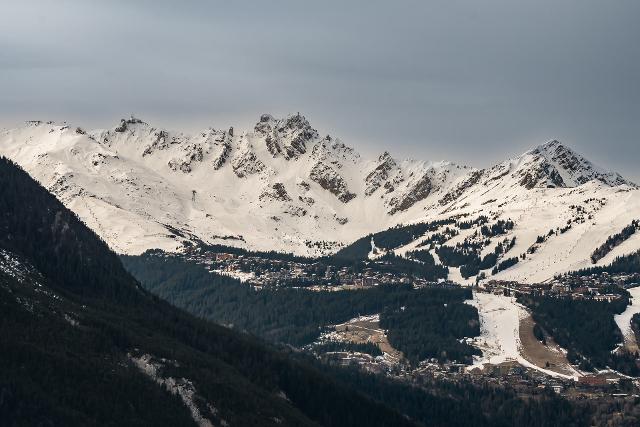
417	192
287	137
380	174
276	192
331	181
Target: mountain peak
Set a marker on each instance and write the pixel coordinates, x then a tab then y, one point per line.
264	118
287	137
554	143
553	147
554	164
385	157
127	123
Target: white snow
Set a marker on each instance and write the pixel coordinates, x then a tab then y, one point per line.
499	337
623	320
243	276
146	187
151	367
499	327
71	320
11	266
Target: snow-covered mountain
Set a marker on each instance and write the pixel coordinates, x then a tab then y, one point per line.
284	186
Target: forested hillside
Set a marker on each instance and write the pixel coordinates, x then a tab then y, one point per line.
297	317
74	325
84	344
388	239
624	264
586	329
219	297
434	326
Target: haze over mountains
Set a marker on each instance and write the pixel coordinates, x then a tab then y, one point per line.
285	186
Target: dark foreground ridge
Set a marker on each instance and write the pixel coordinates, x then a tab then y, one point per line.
76	328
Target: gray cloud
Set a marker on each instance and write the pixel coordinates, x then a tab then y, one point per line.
469	81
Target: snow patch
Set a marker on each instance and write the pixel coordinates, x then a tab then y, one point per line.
499	337
151	367
623	320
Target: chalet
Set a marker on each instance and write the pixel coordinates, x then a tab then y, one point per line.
606	297
224	257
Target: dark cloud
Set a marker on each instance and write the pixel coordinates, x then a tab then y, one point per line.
469	81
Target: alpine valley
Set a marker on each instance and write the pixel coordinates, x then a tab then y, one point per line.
275	276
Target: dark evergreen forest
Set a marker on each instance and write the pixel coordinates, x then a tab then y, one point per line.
296	316
54	372
586	329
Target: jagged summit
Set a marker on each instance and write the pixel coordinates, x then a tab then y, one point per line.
124	123
550	145
556	165
550	165
286	137
280	185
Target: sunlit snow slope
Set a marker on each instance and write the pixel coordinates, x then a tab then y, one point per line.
283	186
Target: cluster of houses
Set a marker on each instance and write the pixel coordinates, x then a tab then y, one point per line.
523	380
260	271
263	271
595	287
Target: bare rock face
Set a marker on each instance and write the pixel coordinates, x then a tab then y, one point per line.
555	165
333	152
303	186
296	211
459	189
276	192
162	141
193	152
246	163
417	192
221	149
265	128
287	137
307	200
543	174
64	187
124	124
379	176
331	181
159	142
215	143
341	220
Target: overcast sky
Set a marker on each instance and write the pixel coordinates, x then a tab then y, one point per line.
469	81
